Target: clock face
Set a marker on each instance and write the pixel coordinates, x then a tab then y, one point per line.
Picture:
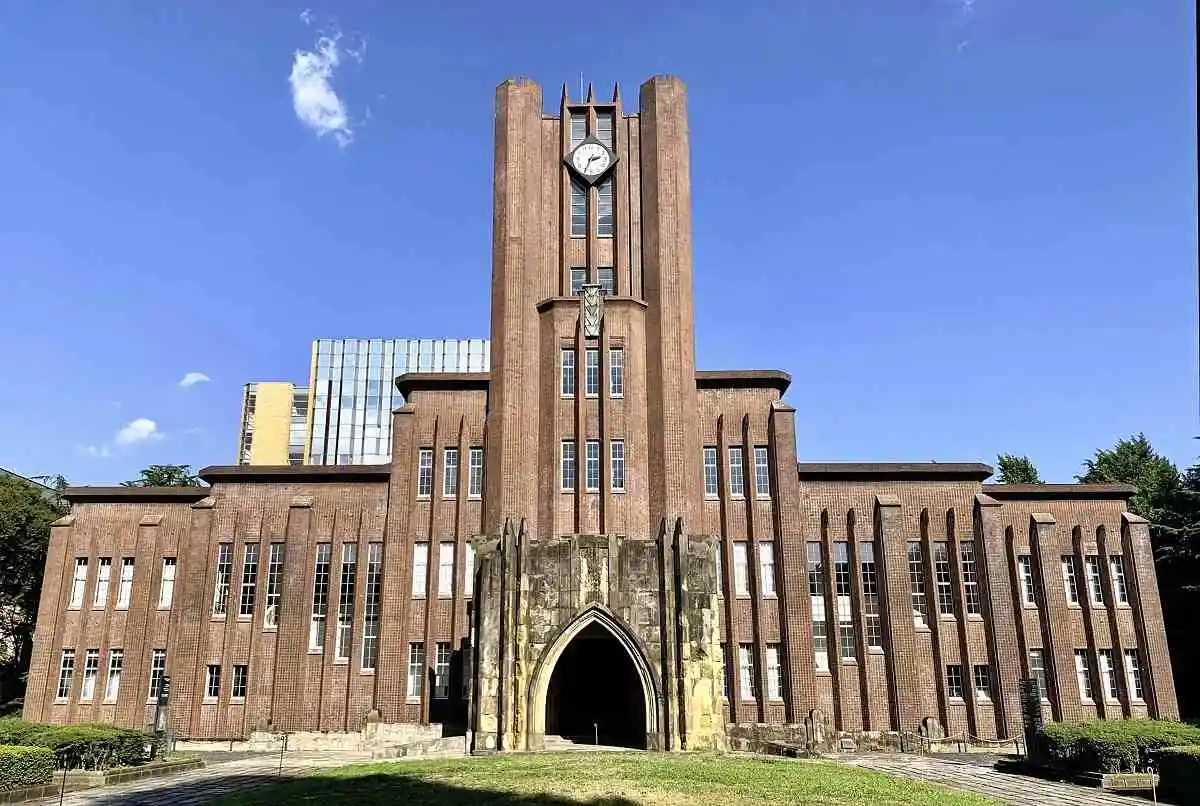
591	159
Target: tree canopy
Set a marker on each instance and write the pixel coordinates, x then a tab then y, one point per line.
1134	461
1017	470
165	476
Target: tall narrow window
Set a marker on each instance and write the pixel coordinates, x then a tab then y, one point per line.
1025	575
1133	674
593	466
579	194
212	682
762	472
567	469
475	473
78	583
578	278
424	472
710	472
469	571
604	128
578	128
872	623
441	672
1094	583
766	568
445	569
567	366
1083	675
241	680
983	682
591	378
320	600
449	472
1108	674
224	572
816	590
249	580
941	573
1116	565
1070	584
954	681
616	458
970	578
841	584
112	683
166	583
345	616
420	577
726	670
774	673
103	571
719	560
66	673
737	480
741	574
91	670
125	585
274	585
746	668
158	669
916	581
607	281
604	208
371	601
416	670
1037	670
616	372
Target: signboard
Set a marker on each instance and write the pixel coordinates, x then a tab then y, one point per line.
1129	781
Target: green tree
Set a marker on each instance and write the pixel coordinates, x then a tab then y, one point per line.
1017	470
1134	461
165	476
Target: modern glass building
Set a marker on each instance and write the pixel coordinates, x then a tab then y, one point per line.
274	424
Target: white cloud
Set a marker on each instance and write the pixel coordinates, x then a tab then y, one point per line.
306	16
99	451
193	378
139	430
316	103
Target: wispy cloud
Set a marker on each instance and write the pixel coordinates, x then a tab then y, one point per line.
139	430
193	378
98	451
316	103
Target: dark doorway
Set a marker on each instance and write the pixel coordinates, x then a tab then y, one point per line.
595	692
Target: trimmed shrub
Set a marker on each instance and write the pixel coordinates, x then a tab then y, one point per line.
92	747
1179	773
24	766
1111	745
13	729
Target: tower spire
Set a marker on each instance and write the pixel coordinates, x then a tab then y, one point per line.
616	99
591	94
565	95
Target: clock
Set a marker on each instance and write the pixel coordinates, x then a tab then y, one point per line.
591	159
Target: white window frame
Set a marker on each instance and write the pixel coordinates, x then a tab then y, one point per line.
1134	683
445	569
591	479
372	602
248	593
415	679
212	682
449	472
475	473
567	461
616	372
103	573
616	465
469	570
712	483
424	473
741	568
566	369
1070	580
606	219
774	674
1108	676
762	472
239	682
125	584
112	680
319	613
591	372
166	582
746	687
343	636
223	580
1037	670
91	673
1116	567
983	693
1083	676
1025	577
1095	582
441	671
766	568
66	675
274	590
78	584
158	671
737	472
955	685
420	575
579	209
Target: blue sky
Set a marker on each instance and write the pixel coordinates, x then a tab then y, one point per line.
964	226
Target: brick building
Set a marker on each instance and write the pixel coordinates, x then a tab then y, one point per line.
595	538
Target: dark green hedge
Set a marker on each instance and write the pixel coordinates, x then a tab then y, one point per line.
1111	745
14	729
24	766
87	747
1179	773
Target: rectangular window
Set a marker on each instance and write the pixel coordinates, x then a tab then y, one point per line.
841	585
710	472
970	578
604	208
212	682
424	473
1025	574
578	128
249	580
766	568
125	585
274	584
469	571
475	473
371	602
78	583
112	683
66	672
741	573
166	583
345	615
1083	675
91	670
983	682
593	466
103	571
746	667
158	669
420	577
241	679
1070	584
1108	674
607	281
567	367
449	472
616	372
320	601
737	480
416	670
591	377
578	278
916	581
762	472
1116	565
774	673
224	572
604	128
719	559
954	681
441	672
1133	675
1094	582
567	469
941	575
1037	670
579	194
872	623
445	569
726	670
616	457
816	590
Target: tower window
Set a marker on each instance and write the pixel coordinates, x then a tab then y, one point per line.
607	281
567	385
578	128
579	209
578	278
604	209
604	128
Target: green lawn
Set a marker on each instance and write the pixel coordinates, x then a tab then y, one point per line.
603	779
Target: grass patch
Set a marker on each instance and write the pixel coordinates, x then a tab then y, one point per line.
603	779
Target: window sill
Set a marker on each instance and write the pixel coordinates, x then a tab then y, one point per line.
85	700
418	596
121	607
61	701
449	497
1124	606
975	617
237	700
737	497
567	490
616	397
97	607
956	700
762	498
163	607
849	661
216	618
424	497
413	700
592	397
824	673
875	650
341	661
708	497
150	701
74	607
270	628
209	701
742	596
618	492
474	497
445	596
592	490
774	699
947	617
983	700
315	651
1074	606
771	596
1086	701
367	672
920	626
107	701
245	618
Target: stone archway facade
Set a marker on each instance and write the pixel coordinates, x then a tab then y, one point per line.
657	597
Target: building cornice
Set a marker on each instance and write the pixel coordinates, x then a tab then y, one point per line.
411	382
1036	492
893	471
743	379
144	495
260	474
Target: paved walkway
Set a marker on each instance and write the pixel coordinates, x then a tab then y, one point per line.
979	776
